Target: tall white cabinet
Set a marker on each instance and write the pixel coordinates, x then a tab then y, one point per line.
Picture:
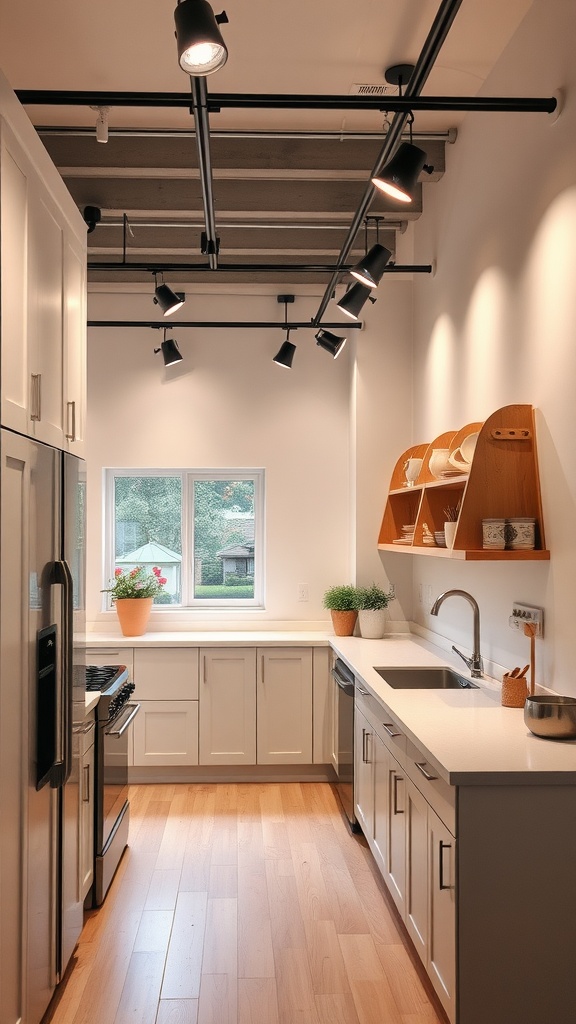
43	285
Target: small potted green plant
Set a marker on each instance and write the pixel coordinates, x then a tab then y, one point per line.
372	604
342	603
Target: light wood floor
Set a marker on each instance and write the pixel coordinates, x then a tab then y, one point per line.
243	904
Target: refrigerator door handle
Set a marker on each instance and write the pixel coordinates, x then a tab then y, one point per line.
62	576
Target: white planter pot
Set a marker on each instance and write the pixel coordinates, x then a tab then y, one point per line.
372	623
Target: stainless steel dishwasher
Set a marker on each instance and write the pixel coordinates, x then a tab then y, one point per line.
344	739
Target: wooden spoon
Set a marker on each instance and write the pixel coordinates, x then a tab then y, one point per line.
523	672
515	671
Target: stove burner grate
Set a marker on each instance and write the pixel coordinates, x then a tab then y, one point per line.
98	677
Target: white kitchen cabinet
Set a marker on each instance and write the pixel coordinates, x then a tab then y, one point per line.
396	801
86	795
322	707
166	733
284	705
166	727
43	283
227	706
417	879
364	774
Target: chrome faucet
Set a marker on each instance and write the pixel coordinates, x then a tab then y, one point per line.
475	662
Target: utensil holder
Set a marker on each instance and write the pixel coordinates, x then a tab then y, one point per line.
514	691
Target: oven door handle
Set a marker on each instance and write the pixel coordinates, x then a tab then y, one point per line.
123	721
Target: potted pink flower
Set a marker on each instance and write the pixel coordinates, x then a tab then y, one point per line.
133	593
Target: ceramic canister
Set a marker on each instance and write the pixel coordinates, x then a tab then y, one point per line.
493	534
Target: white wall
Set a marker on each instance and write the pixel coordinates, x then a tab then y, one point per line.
229	405
497	325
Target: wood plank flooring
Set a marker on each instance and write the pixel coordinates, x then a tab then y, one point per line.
243	904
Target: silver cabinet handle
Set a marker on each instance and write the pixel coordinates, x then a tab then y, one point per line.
204	668
441	847
262	675
86	784
36	397
388	726
365	738
420	766
395	808
71	420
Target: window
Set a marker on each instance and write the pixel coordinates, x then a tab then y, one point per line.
203	529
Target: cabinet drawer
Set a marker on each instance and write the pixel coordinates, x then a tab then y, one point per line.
166	673
383	723
440	794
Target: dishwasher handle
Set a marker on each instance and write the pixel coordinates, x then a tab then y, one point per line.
344	684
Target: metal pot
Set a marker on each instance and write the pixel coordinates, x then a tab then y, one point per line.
551	716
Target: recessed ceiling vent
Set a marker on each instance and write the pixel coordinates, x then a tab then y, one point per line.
367	89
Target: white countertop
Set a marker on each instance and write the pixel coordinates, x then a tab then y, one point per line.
466	734
92	697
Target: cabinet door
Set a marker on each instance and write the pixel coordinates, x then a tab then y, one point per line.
15	171
284	703
227	698
45	314
86	792
382	765
395	870
364	773
442	912
417	872
74	341
166	733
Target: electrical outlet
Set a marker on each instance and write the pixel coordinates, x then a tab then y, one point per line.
302	591
523	613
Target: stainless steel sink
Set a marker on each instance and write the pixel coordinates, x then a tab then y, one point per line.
423	678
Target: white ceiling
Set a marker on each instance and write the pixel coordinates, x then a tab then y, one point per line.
301	46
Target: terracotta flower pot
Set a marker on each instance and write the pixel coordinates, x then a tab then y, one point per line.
133	614
343	622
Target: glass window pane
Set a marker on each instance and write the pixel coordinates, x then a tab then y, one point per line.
148	528
224	540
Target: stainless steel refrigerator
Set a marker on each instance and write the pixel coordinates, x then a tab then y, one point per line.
42	620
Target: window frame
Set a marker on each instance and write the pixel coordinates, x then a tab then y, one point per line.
188	477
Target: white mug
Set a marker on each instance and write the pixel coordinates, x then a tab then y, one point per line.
412	469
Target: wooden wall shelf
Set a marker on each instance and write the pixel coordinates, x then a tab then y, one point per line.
503	482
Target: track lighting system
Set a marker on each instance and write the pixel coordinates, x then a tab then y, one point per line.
170	351
92	215
102	123
164	297
201	47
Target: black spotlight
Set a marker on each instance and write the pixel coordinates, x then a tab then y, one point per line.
285	355
92	215
353	300
331	343
170	352
201	48
399	177
371	267
168	300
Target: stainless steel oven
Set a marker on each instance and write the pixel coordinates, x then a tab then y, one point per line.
344	739
115	713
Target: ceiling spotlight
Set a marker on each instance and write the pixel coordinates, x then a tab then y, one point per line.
92	215
331	343
287	350
170	351
399	177
201	48
371	267
285	355
164	297
353	300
